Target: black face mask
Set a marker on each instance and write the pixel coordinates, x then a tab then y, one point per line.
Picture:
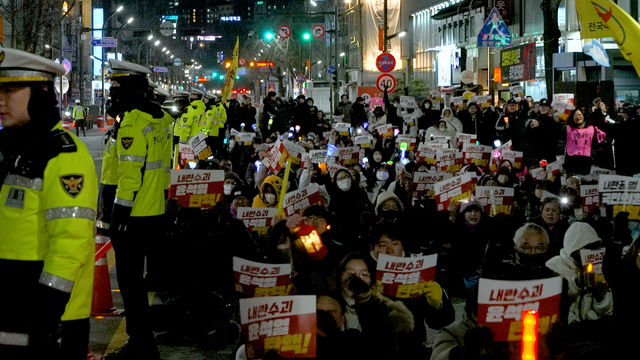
391	215
534	261
357	286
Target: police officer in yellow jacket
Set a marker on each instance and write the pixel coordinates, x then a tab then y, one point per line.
136	220
191	115
212	121
48	196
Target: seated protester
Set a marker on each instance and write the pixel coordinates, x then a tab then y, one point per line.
464	339
377	117
583	298
240	196
442	128
524	261
434	308
231	180
383	175
348	202
389	206
472	231
381	321
551	220
269	193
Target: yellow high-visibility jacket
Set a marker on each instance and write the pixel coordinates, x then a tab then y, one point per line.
187	120
78	112
216	119
142	157
109	170
47	217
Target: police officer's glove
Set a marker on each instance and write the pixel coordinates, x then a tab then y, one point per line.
119	218
44	333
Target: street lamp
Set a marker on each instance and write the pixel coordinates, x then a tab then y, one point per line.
334	98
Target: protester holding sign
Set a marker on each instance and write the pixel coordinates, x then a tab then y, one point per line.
381	321
580	143
542	133
269	192
348	203
473	122
584	300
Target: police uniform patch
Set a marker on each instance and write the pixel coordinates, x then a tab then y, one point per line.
127	142
15	198
72	184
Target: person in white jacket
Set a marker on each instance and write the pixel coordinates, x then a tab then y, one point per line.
587	302
447	115
410	116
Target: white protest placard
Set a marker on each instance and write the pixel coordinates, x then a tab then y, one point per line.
257	219
405	277
407	102
364	141
317	156
449	160
186	155
495	199
501	302
385	131
516	91
621	193
298	200
476	154
196	188
458	188
592	266
284	324
254	279
462	138
277	157
199	145
423	183
406	139
246	138
337	118
590	197
342	128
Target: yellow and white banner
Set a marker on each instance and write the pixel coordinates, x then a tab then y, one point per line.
232	72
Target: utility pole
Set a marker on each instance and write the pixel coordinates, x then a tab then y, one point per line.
384	27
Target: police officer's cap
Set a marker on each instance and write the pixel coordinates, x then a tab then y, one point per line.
211	95
21	66
180	93
162	92
197	91
124	68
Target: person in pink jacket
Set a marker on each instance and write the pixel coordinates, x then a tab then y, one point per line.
580	140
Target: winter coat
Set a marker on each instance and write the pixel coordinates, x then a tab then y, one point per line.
582	304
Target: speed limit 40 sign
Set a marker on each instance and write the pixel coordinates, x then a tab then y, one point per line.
386	81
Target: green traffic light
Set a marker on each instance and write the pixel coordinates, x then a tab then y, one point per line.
214	74
237	77
221	77
306	36
268	36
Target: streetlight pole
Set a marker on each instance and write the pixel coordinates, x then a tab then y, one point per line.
103	107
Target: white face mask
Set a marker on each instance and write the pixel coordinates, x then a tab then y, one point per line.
232	143
344	185
382	175
227	189
270	198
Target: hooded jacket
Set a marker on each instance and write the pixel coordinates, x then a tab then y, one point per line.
583	305
452	120
258	200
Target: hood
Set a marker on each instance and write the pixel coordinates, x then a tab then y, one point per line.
384	196
274	181
577	236
450	112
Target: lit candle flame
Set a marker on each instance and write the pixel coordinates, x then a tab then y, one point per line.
590	268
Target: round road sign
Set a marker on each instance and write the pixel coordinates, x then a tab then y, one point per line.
177	62
166	28
466	77
317	31
385	62
284	31
300	78
386	81
242	62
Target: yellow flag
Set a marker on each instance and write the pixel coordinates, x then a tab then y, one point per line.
620	25
591	24
231	72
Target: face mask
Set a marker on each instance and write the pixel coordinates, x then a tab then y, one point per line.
270	198
395	104
427	106
344	185
390	215
227	189
382	175
535	261
234	212
232	143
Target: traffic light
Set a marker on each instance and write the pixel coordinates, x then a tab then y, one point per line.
334	80
268	36
306	36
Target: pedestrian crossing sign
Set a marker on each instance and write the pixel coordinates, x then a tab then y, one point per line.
494	32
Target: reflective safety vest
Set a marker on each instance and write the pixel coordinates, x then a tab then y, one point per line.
47	217
189	118
216	118
142	158
78	112
109	170
167	121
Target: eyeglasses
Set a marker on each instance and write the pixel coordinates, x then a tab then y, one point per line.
360	274
527	249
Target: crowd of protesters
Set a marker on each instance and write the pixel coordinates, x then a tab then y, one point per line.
369	209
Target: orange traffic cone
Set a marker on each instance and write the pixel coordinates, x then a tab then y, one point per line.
102	304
